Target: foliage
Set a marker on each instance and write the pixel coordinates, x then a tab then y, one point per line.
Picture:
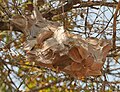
87	18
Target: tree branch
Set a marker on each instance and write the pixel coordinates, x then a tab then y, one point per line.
49	85
114	25
67	7
6	26
70	5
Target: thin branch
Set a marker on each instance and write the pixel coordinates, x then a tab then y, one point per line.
67	7
6	26
105	26
5	10
49	85
70	5
86	21
114	25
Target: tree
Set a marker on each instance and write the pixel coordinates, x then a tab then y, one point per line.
97	18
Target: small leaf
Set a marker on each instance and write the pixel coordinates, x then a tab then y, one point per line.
116	58
89	61
76	66
39	2
2	34
96	66
75	55
83	52
89	26
32	84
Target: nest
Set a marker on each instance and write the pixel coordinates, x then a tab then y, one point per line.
48	45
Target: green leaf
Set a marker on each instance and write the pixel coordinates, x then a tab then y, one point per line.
3	34
20	1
